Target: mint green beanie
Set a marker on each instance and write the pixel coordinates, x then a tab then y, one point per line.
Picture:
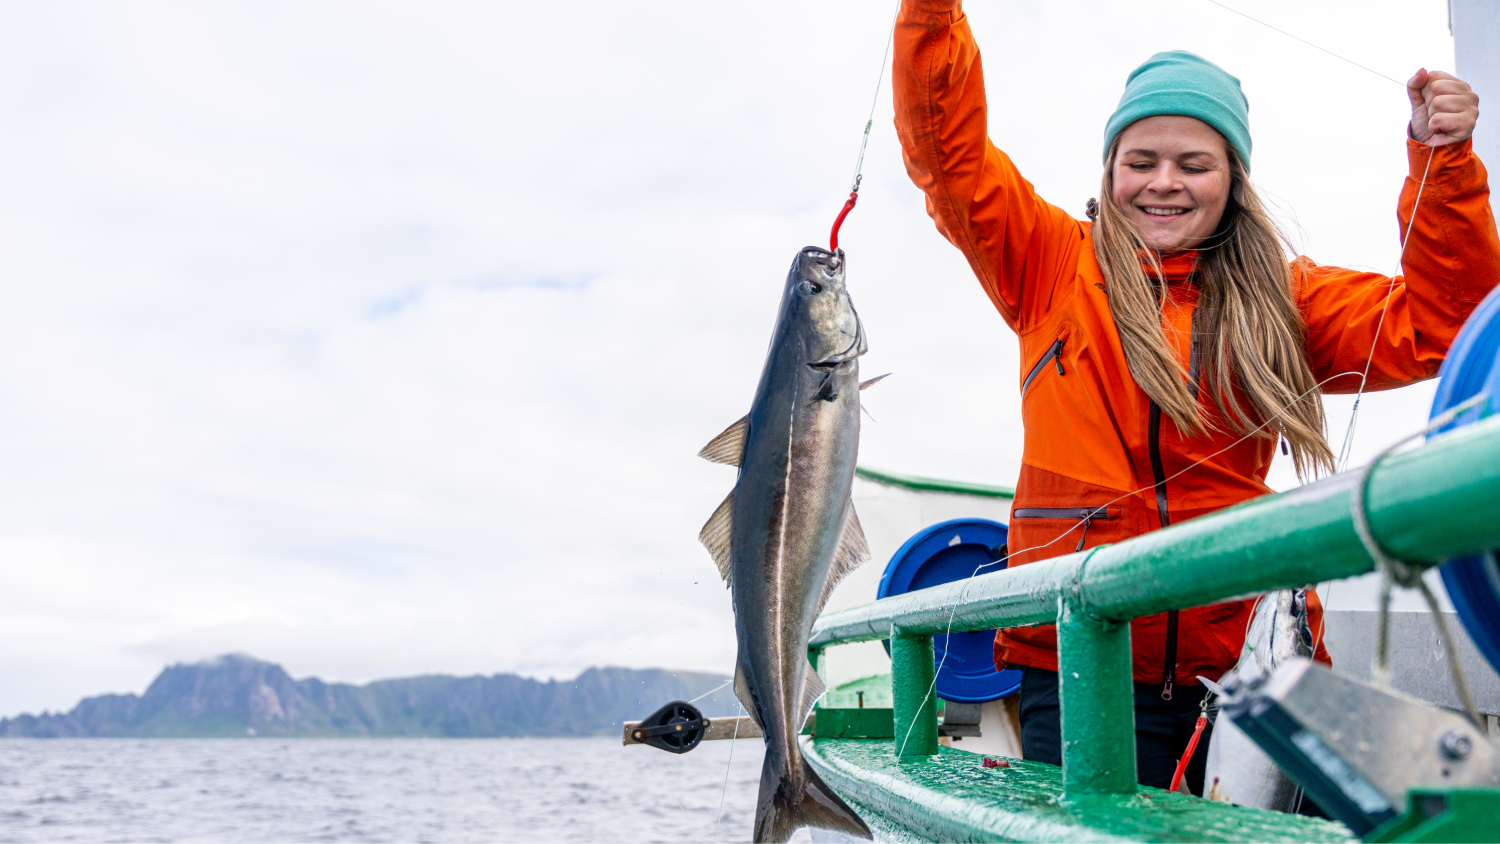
1179	82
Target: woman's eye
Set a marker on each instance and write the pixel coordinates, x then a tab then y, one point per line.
1139	166
1195	170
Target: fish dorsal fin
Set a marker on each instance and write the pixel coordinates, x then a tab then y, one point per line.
728	446
716	537
742	691
865	385
813	688
852	553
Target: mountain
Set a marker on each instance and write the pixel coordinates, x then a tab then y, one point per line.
238	695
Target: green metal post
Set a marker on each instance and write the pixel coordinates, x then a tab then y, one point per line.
913	695
1098	711
815	655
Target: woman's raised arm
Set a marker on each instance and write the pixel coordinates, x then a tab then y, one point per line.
1018	245
1451	260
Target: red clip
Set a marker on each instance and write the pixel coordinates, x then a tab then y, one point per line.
994	763
1187	755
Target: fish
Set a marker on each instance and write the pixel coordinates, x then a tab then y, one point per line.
1238	770
787	533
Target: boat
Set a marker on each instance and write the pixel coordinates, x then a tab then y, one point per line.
918	732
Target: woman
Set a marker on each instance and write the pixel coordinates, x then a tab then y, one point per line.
1167	346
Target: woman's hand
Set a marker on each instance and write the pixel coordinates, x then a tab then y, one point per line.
1443	108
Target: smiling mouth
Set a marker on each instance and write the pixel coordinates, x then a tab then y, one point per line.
1163	212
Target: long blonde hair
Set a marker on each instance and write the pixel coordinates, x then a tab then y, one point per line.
1251	337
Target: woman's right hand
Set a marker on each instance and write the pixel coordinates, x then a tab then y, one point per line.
1444	108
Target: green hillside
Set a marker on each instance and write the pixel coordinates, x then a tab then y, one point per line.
241	696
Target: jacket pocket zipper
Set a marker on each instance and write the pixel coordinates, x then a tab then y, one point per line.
1086	515
1053	355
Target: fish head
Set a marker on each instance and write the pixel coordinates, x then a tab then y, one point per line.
1278	633
817	302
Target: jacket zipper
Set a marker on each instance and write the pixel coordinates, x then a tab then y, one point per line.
1054	354
1169	662
1159	475
1087	515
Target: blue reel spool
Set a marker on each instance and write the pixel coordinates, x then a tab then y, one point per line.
1472	367
943	553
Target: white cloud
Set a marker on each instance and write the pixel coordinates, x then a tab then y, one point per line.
378	338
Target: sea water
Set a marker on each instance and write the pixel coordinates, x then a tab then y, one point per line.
303	790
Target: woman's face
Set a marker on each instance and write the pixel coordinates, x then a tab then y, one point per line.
1171	179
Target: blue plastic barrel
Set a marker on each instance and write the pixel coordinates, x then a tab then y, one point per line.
945	552
1472	367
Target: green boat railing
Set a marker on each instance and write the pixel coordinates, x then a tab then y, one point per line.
1434	502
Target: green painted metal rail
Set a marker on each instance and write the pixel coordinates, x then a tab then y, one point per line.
1435	502
921	484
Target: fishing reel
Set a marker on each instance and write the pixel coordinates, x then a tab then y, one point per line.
675	728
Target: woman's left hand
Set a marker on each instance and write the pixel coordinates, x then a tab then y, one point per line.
1443	108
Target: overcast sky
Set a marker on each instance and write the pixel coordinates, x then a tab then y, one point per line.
377	339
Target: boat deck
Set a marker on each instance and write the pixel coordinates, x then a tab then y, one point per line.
952	797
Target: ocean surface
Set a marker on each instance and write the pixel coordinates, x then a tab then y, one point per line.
441	790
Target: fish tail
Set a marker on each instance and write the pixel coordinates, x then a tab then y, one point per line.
787	804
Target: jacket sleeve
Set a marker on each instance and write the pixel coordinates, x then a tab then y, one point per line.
1451	260
1018	245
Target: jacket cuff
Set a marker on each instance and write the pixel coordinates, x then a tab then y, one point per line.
1446	155
930	7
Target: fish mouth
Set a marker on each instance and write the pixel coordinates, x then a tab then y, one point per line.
832	261
833	264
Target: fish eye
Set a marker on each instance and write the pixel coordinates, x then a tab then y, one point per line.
811	287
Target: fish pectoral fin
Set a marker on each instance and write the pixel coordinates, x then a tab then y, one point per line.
716	535
728	446
865	385
813	688
853	552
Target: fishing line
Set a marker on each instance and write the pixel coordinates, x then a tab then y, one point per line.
864	141
728	766
711	691
833	238
1347	448
953	608
1305	41
1363	375
1195	464
675	795
1249	435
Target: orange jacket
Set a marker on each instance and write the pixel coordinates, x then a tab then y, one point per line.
1094	442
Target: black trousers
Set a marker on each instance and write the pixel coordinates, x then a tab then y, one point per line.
1162	728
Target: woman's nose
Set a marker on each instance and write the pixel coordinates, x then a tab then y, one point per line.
1165	179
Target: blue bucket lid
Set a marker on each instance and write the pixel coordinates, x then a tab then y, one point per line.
1472	367
945	552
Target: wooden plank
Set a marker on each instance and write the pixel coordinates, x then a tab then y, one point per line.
718	728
